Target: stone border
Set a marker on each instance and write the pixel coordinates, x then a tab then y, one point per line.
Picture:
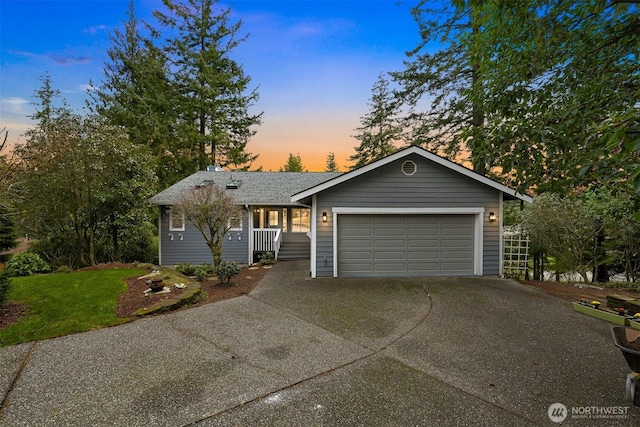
190	295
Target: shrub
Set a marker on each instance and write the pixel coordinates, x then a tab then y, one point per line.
267	258
186	268
4	287
226	270
201	273
26	263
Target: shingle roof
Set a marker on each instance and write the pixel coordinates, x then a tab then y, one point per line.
256	188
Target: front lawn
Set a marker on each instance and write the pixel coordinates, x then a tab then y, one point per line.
61	304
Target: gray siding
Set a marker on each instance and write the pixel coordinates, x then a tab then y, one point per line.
432	186
189	245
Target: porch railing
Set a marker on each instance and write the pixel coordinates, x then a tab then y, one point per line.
267	240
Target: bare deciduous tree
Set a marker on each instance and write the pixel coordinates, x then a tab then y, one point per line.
213	212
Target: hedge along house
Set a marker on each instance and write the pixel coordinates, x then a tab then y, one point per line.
412	213
270	221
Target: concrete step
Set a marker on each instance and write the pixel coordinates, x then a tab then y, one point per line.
294	251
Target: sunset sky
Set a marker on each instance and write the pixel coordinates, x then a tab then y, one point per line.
314	63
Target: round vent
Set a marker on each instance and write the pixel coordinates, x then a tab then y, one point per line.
409	167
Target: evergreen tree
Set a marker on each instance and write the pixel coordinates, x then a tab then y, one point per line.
380	128
213	91
444	71
7	230
332	166
562	88
137	95
294	164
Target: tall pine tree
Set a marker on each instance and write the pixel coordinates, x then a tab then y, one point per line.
442	83
136	95
380	128
214	98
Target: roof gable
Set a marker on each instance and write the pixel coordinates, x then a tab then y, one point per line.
402	154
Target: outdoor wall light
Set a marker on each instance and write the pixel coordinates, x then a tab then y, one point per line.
492	217
324	217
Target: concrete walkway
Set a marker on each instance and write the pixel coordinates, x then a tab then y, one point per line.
297	351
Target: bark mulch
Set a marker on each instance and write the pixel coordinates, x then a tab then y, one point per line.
135	299
572	292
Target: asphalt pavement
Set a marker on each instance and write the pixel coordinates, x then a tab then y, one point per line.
322	352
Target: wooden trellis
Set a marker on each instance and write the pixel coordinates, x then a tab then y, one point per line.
515	253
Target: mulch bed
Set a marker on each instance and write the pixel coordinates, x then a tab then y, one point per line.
135	299
10	312
570	292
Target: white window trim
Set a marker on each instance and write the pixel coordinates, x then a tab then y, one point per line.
238	228
171	227
478	226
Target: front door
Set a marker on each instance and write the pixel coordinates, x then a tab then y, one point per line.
267	218
273	218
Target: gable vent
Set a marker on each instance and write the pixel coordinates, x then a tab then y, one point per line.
409	167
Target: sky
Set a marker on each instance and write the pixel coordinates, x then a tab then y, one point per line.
313	63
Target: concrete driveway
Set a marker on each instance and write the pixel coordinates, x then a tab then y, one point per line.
297	351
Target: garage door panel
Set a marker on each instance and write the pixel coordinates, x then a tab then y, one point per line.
416	244
456	244
388	267
353	255
425	232
405	245
358	270
423	219
356	243
422	255
389	243
389	232
382	256
388	219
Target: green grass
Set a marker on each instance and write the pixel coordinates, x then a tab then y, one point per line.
62	304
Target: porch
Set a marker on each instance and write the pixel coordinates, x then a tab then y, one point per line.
282	230
284	246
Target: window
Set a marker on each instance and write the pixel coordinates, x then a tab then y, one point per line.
300	220
235	223
284	221
273	219
176	220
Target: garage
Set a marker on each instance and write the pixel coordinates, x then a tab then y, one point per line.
405	245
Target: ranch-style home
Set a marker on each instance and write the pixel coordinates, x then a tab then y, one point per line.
412	213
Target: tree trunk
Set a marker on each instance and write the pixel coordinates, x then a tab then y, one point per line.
92	245
477	109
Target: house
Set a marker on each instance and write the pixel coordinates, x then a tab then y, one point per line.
412	213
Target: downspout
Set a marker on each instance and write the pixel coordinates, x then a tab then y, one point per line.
160	236
314	230
250	234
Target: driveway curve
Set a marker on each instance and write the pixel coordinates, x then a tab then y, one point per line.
301	351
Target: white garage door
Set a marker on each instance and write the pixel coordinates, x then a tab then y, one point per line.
405	245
